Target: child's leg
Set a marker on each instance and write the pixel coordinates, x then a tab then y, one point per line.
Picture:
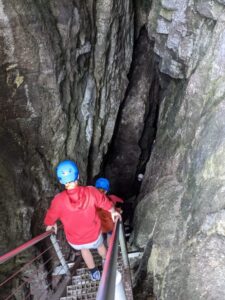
102	251
108	238
88	258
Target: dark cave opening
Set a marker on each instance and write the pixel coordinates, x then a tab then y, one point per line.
136	125
67	68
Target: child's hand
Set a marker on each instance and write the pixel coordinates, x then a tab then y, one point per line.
119	210
52	227
115	215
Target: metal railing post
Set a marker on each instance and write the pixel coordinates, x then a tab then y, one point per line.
59	254
5	257
119	288
123	245
107	284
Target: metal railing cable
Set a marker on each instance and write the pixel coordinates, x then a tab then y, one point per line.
18	274
15	291
107	284
5	257
107	288
49	272
26	265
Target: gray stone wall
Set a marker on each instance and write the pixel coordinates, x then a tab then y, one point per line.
63	75
181	204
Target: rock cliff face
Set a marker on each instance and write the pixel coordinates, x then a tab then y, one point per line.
64	68
135	131
72	87
181	204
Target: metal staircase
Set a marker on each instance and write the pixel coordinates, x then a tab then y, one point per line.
115	281
82	288
116	265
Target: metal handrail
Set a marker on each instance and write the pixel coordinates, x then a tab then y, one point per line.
5	257
27	264
107	284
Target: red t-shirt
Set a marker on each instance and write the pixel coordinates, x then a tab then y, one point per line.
76	209
115	199
105	216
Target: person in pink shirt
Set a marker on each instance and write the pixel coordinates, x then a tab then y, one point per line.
76	208
103	185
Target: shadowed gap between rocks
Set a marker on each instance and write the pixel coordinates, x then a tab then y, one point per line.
136	124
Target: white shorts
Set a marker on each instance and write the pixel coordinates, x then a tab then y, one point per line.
92	245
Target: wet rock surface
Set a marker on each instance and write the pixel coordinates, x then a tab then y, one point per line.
135	132
63	75
182	197
71	87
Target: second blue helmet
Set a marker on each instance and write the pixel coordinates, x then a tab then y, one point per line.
67	171
102	183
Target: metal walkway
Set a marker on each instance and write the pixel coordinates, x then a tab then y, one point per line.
82	288
115	281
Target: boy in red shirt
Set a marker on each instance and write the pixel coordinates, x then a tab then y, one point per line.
103	185
75	207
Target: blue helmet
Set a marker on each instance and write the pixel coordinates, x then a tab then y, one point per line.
102	183
67	171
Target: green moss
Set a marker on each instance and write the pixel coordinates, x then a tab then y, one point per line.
166	14
143	4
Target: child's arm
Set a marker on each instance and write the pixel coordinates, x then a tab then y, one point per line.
51	216
52	227
102	201
114	214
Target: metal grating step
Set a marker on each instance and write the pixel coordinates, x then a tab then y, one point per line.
88	291
82	288
82	277
97	260
81	297
89	287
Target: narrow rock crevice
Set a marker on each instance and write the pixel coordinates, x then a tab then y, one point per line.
136	122
146	77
